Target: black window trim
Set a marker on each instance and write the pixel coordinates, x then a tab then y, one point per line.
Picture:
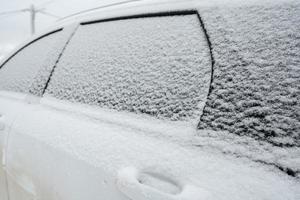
57	60
144	15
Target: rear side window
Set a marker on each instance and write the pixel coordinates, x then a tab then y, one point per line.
155	65
19	72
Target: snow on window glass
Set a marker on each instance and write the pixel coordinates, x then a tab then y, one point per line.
19	73
256	85
157	65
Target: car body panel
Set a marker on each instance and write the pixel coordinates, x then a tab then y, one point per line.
78	155
8	111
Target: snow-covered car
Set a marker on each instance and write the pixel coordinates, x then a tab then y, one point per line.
156	100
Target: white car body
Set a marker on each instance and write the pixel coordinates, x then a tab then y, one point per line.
54	149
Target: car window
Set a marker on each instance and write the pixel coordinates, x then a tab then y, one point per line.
155	65
19	72
256	86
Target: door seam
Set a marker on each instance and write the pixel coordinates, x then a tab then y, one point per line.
58	59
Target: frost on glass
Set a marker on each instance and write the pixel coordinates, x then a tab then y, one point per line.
19	73
256	85
159	66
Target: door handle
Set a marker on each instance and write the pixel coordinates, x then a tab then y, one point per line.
159	187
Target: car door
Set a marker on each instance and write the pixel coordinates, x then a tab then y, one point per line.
68	145
23	77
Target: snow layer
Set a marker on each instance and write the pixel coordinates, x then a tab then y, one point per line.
82	149
256	81
159	66
184	133
19	73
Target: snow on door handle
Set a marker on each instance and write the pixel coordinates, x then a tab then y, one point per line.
138	185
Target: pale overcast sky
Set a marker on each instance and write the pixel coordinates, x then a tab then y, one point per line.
15	28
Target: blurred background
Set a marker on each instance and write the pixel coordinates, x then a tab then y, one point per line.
16	17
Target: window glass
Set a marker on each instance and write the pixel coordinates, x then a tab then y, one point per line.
256	86
19	72
155	65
